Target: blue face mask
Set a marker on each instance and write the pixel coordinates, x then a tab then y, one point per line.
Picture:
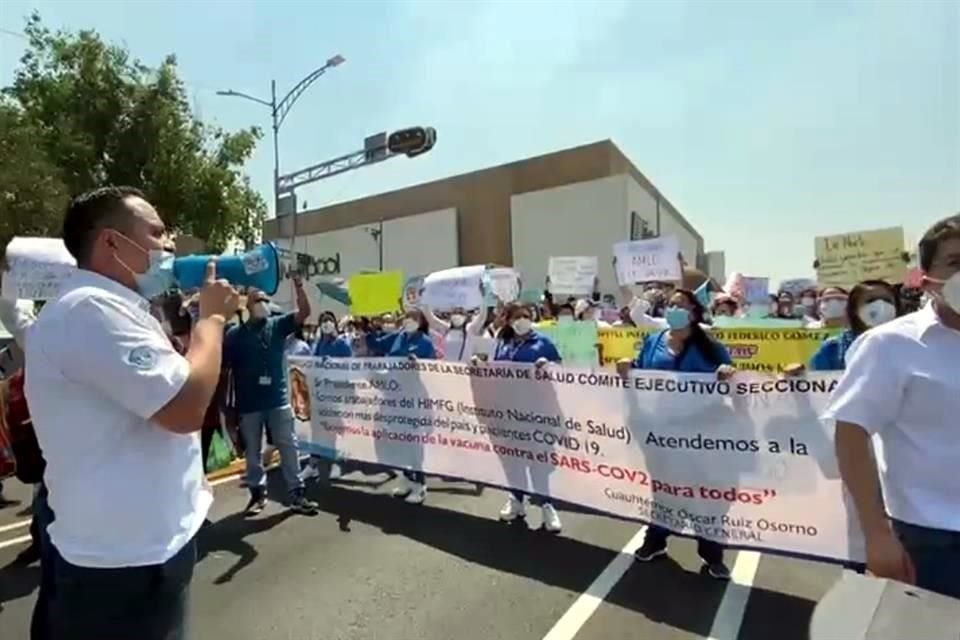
677	318
158	277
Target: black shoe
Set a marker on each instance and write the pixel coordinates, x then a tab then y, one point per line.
716	570
28	556
299	503
258	502
650	551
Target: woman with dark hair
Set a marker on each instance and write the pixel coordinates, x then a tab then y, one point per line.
870	304
687	348
832	308
519	342
411	341
330	344
785	306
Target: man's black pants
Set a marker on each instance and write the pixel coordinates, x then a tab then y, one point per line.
129	603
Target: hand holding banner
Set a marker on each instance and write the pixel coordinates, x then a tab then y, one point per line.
572	276
454	288
655	260
36	267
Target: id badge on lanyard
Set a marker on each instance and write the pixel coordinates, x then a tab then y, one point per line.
264	339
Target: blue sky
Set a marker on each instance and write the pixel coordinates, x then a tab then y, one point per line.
765	123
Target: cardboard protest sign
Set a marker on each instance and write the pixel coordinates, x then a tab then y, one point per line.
372	294
454	288
756	291
503	284
654	260
576	342
844	260
573	275
35	268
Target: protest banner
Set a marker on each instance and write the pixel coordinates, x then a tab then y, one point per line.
576	342
752	349
573	275
372	294
846	259
796	286
745	462
411	292
35	268
756	291
503	284
454	288
655	260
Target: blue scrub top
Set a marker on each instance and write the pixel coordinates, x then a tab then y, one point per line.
256	353
533	347
332	348
832	354
401	344
655	355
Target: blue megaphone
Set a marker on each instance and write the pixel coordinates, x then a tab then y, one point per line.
259	269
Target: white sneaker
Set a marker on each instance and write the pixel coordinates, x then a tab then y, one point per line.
403	489
512	510
551	521
310	472
335	471
417	494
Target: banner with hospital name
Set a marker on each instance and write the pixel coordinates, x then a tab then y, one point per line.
744	462
763	350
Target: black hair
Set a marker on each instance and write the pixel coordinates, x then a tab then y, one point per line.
424	326
564	307
506	331
173	312
328	315
699	339
90	212
946	229
855	297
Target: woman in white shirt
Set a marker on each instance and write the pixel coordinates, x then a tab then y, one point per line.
459	333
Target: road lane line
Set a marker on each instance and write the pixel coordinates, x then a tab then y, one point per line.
15	525
584	606
729	615
15	541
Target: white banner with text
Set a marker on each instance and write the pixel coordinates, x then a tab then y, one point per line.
746	462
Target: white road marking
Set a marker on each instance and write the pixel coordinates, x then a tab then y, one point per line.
24	523
15	541
15	525
729	615
577	615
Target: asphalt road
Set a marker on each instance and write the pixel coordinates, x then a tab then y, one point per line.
370	566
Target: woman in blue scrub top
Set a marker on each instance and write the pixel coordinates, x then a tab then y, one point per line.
683	347
411	341
518	342
870	304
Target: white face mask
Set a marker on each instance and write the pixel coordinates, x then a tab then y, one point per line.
457	320
327	327
877	312
950	291
410	325
522	326
389	326
260	310
833	308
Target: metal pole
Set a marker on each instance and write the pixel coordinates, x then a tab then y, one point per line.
276	161
380	242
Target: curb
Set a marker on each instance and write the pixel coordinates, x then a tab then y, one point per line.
237	467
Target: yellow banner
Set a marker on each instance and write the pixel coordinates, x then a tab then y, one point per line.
766	350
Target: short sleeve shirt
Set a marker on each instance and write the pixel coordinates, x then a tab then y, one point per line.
256	353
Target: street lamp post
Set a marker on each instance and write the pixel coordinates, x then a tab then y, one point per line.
278	113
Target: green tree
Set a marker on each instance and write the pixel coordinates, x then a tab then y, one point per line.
97	116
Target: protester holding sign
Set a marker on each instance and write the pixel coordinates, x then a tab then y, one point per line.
684	347
870	304
901	387
518	342
459	332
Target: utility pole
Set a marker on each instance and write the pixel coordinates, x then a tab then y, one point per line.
278	113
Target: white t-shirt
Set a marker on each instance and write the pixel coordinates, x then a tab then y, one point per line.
124	491
902	385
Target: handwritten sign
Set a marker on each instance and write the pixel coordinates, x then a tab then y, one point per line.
573	276
503	285
36	268
756	290
846	259
457	288
372	294
655	260
576	342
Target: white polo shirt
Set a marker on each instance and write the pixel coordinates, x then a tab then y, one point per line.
902	384
124	491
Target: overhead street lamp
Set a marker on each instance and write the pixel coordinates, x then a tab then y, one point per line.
278	113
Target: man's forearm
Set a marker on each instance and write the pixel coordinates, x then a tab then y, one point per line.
303	306
858	469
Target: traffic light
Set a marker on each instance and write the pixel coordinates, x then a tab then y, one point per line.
412	141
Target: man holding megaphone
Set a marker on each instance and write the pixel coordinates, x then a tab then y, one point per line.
117	412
